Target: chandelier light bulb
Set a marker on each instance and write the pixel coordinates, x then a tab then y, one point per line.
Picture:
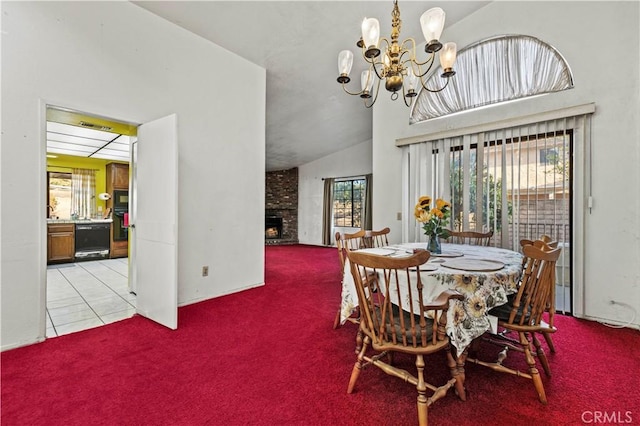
412	80
448	58
432	23
370	32
366	80
345	62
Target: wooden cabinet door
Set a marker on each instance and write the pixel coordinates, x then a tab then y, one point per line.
121	178
61	243
117	176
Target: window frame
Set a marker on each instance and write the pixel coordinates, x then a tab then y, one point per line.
51	175
357	204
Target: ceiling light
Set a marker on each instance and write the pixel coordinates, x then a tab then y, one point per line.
95	126
397	65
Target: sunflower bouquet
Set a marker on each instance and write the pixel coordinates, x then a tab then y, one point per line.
434	220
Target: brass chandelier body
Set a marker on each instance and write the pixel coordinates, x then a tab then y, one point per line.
398	65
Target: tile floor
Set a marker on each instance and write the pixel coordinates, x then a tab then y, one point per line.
87	294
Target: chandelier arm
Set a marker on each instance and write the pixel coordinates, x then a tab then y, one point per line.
429	61
375	98
386	40
435	90
402	53
376	71
414	66
404	97
350	93
373	60
411	48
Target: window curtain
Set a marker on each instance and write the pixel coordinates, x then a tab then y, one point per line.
498	69
83	193
367	219
327	211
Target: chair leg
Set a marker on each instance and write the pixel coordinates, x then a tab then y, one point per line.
535	375
541	355
359	336
336	320
422	392
547	338
456	367
357	368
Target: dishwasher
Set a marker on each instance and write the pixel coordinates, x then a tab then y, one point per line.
92	241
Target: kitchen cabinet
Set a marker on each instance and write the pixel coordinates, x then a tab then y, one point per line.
117	176
60	242
119	248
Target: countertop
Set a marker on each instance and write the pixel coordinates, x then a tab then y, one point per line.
79	220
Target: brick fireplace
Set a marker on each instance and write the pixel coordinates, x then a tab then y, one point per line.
281	207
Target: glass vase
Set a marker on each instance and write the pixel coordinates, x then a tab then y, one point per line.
434	244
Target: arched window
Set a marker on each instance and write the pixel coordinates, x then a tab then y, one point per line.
494	70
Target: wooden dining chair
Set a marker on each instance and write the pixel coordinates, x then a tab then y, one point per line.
377	238
470	237
522	314
402	327
347	242
546	243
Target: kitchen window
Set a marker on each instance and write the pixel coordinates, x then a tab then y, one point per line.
58	195
71	195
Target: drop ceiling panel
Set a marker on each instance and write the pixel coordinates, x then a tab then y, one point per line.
80	142
79	131
75	140
51	145
111	157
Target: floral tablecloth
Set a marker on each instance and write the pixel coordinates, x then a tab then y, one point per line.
468	318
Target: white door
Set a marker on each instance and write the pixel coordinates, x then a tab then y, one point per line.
133	181
154	226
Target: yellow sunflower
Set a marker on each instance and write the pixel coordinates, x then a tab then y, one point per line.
476	306
458	314
423	216
437	212
466	283
424	202
442	204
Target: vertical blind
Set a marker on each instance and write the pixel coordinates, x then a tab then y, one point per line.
520	177
516	181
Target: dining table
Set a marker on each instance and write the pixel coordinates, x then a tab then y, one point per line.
484	275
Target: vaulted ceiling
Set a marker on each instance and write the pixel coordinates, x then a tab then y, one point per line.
308	116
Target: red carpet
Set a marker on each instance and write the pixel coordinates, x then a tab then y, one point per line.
269	356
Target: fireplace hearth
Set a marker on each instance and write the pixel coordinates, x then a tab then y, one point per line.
272	227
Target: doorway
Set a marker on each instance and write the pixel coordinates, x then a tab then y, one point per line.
89	288
153	195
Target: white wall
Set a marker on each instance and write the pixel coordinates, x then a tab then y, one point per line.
118	60
353	161
605	63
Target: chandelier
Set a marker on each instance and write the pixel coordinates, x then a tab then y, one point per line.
398	65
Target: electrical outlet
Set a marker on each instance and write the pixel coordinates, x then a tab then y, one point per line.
205	271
